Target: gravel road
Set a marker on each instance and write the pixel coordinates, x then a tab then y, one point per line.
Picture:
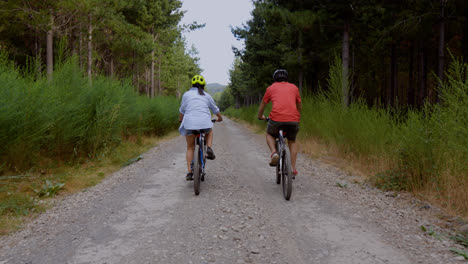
148	213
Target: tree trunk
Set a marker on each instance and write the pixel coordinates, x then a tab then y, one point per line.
111	66
422	77
159	78
410	88
90	47
152	66
37	61
152	73
50	49
147	86
36	43
352	86
301	66
73	37
393	76
345	59
301	78
133	69
81	50
464	42
138	76
441	46
178	84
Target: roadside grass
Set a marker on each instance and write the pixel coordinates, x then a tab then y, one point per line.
69	118
421	151
62	135
458	238
20	201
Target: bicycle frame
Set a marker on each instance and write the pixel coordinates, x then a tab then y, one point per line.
200	141
283	168
280	145
199	161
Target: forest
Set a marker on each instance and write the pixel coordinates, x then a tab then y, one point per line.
384	86
86	86
393	52
137	40
78	78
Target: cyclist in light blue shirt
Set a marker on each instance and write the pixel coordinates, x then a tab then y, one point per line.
194	115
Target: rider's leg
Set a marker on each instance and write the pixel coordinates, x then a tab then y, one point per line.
209	139
271	143
190	148
293	149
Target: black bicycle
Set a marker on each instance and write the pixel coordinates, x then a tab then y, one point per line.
199	161
283	168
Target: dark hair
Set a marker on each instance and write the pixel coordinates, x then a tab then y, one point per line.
200	88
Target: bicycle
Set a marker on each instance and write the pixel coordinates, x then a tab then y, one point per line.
283	168
199	160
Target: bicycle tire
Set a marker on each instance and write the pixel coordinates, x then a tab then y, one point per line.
286	173
278	170
278	174
196	170
204	162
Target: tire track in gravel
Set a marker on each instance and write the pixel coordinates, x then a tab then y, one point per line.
147	213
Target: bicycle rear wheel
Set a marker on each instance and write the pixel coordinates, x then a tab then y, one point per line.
202	177
278	173
278	168
286	173
196	170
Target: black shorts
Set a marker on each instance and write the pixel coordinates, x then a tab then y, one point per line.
198	131
290	129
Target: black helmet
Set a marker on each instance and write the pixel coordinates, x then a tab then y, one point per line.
280	75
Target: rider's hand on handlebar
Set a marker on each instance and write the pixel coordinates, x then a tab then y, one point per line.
262	117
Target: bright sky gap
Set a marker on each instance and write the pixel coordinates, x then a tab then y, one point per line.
214	42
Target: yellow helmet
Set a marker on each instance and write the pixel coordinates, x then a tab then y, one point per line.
198	79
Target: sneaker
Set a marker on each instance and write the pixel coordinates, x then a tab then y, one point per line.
274	159
294	174
189	176
210	154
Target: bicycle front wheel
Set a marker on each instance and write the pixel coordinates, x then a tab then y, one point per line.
278	173
196	170
286	173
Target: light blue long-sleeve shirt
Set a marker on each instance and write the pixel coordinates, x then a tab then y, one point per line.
196	110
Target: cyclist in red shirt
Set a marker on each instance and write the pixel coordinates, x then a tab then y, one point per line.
285	113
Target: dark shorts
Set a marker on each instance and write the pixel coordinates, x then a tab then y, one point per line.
198	131
290	129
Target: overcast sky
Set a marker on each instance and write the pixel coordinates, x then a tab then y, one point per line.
215	40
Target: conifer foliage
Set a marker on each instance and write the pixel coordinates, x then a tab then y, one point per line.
393	53
140	40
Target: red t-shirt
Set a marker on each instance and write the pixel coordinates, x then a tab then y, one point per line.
284	97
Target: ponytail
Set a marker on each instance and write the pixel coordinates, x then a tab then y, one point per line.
200	88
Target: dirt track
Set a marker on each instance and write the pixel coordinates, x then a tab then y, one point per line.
148	213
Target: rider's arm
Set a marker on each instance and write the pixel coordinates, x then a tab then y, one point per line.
181	117
220	118
299	106
260	110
